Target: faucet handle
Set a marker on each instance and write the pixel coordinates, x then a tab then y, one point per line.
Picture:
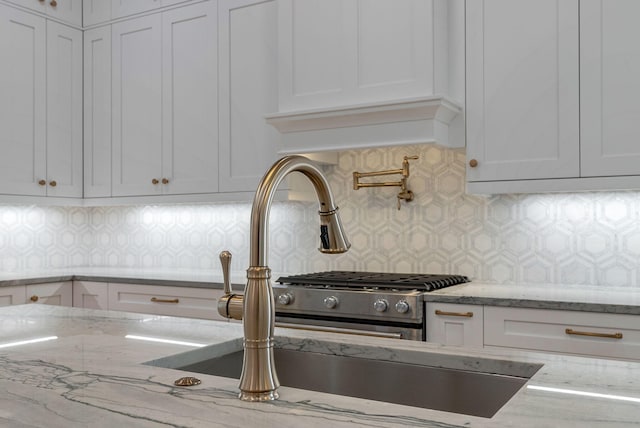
225	260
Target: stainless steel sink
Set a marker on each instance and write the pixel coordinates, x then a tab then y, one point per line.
469	392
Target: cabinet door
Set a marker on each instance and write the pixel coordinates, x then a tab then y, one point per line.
137	101
23	103
120	8
336	52
165	300
455	324
37	5
522	89
95	12
97	112
64	111
610	88
190	99
90	295
12	295
65	10
248	91
54	293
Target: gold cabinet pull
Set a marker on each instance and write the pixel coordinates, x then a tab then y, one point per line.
592	334
156	300
473	163
53	3
34	298
165	181
53	183
154	181
454	314
42	182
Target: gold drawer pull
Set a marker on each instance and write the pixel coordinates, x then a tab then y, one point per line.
156	300
591	334
34	298
454	314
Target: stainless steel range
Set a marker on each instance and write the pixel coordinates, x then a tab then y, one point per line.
377	304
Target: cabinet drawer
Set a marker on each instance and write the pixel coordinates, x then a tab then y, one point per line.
54	293
12	295
162	300
583	333
454	324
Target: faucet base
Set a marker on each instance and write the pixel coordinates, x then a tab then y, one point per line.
258	396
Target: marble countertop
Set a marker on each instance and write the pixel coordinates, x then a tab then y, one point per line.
92	375
617	300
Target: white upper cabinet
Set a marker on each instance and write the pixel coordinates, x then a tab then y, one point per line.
248	90
64	111
95	12
363	73
97	112
522	89
23	103
609	87
137	106
65	10
120	8
190	99
41	106
337	52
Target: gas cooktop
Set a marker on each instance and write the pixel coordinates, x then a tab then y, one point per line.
379	280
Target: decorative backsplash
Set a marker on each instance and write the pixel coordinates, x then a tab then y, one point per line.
585	238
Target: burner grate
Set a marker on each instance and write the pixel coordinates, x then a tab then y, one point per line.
424	282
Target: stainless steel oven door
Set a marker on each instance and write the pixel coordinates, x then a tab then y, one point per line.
409	332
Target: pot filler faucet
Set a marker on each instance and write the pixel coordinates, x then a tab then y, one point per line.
259	380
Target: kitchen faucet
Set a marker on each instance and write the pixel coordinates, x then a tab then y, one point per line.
256	307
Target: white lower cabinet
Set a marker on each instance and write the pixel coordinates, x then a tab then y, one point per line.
91	295
165	300
454	324
12	295
53	293
567	332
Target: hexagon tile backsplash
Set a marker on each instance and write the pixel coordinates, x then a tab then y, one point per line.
585	238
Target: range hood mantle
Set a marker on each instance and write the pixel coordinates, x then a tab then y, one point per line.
402	122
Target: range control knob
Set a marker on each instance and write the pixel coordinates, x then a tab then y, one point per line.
380	305
330	302
402	306
285	299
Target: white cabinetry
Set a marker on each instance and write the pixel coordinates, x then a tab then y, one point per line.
522	89
585	333
65	10
53	293
609	87
95	12
165	300
248	76
91	295
454	324
356	74
12	295
165	103
40	110
552	95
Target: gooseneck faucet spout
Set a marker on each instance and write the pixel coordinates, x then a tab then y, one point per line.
256	307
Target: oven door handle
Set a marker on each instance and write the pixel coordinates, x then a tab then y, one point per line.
339	330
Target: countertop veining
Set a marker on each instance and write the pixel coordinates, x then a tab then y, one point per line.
92	375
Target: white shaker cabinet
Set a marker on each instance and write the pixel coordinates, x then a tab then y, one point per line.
23	103
97	112
41	106
248	76
137	106
53	293
455	324
14	295
69	11
91	295
346	52
610	87
95	12
64	111
164	103
522	89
